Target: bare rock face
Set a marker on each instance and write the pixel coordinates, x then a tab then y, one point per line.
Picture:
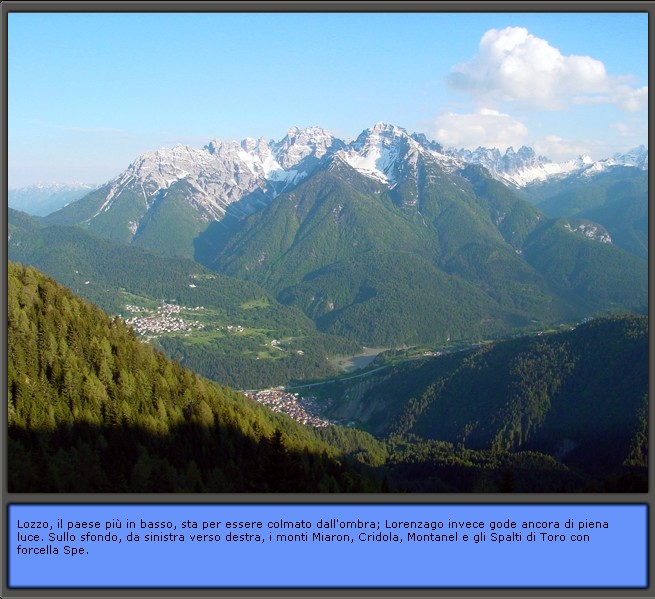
247	175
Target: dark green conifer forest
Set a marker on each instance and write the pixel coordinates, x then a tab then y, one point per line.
91	408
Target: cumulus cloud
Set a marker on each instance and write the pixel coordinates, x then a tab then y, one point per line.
629	99
624	129
486	127
512	64
633	132
560	149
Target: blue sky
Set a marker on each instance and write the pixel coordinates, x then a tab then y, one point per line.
87	93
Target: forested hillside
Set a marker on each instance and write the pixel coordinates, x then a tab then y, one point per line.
93	409
113	275
441	255
617	199
580	397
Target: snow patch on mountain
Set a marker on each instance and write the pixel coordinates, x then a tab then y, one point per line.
224	172
590	230
382	153
524	167
299	144
245	175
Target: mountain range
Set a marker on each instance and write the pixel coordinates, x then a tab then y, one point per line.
523	167
239	178
353	234
276	257
42	199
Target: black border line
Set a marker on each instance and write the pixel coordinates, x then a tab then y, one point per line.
363	587
303	6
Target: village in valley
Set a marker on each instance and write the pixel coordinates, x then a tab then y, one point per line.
172	318
165	319
302	409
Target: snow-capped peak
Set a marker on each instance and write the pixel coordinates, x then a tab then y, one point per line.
299	144
524	166
157	170
385	129
378	152
256	171
637	157
385	135
514	167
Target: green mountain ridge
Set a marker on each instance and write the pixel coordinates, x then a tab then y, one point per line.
580	396
528	393
336	244
93	409
617	199
113	275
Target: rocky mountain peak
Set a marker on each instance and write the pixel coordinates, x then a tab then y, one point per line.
428	144
382	133
256	170
382	152
300	144
637	157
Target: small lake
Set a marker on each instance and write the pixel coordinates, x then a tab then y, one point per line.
352	363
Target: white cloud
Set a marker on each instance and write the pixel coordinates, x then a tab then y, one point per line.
631	100
512	64
632	132
486	127
624	129
559	149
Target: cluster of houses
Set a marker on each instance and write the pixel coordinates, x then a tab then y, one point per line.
165	319
301	409
232	328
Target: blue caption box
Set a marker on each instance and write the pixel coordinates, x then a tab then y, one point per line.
327	546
